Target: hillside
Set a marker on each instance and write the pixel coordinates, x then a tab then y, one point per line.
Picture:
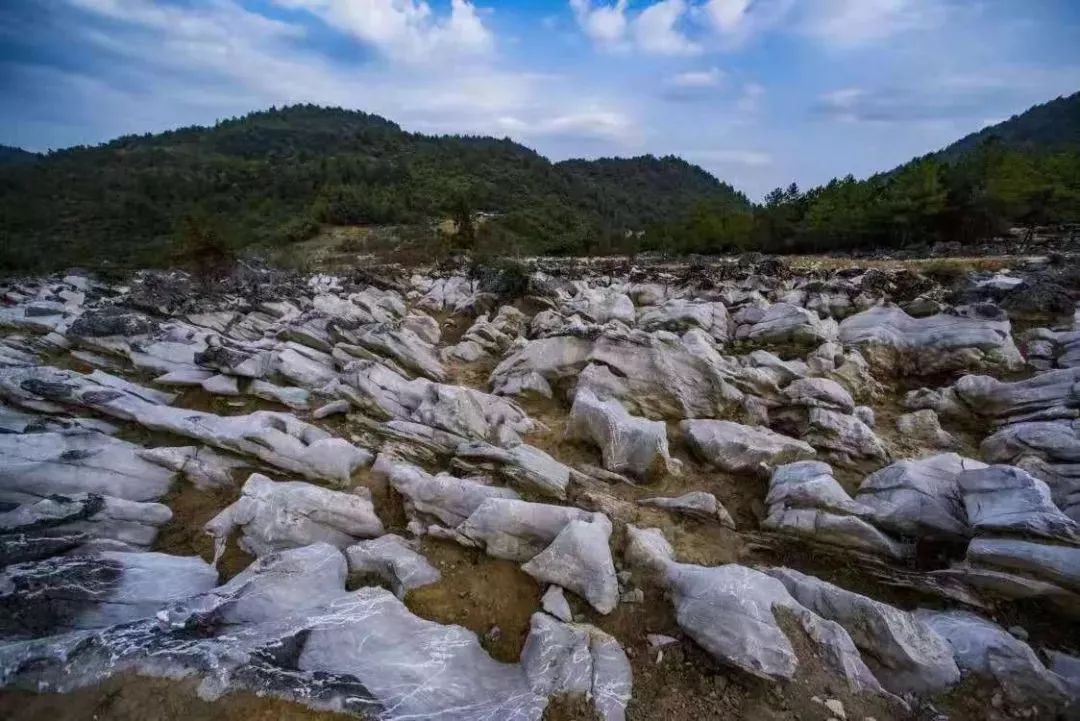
1054	125
15	156
270	177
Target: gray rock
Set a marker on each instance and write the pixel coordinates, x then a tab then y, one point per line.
333	408
392	558
907	654
38	465
628	444
819	393
518	530
94	589
554	602
443	497
679	315
522	465
976	336
204	467
919	497
699	504
731	612
1059	565
58	523
783	323
276	515
1006	499
924	427
579	559
983	648
737	448
564	658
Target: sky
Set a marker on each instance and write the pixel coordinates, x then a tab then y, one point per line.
761	93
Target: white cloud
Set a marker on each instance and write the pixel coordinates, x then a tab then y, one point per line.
855	23
710	78
655	30
606	25
594	124
404	29
722	157
734	22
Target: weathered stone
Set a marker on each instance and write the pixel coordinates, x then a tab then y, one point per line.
395	561
736	448
276	515
628	444
579	560
976	336
919	497
698	504
1006	499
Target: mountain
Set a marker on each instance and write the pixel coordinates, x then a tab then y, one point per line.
1051	126
15	156
270	177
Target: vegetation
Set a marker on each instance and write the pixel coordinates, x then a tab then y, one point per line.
272	179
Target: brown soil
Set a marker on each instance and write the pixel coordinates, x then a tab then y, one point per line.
138	698
479	593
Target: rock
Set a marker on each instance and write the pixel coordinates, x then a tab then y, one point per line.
924	428
34	466
908	655
1058	565
783	323
919	497
554	602
983	648
628	444
731	612
489	335
1006	499
579	559
736	448
95	589
844	437
384	394
518	530
333	408
522	465
563	658
448	499
278	439
276	515
57	524
204	467
678	315
976	336
391	558
819	393
1048	450
699	504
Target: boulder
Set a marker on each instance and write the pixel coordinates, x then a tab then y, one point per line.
698	504
974	337
628	444
786	324
94	589
579	559
737	448
1007	500
924	428
276	515
906	653
393	559
919	498
983	648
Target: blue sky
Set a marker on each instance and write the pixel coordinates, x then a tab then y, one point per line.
759	92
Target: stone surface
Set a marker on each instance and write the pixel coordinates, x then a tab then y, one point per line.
628	444
698	504
737	448
392	558
276	515
919	498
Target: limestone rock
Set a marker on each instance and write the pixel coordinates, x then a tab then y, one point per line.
628	444
392	558
699	504
736	448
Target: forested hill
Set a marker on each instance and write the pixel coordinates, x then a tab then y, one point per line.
1051	126
270	178
13	156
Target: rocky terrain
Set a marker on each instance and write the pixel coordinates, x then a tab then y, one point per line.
732	490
